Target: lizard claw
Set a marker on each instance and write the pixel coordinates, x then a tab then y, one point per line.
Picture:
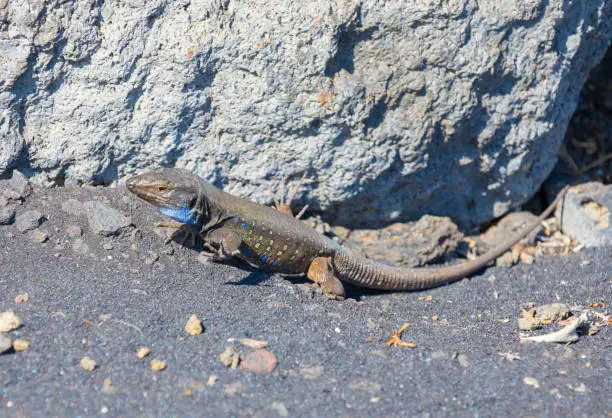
187	233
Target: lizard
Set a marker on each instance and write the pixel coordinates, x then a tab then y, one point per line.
276	242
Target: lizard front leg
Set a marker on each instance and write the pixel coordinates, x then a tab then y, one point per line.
322	273
188	232
221	244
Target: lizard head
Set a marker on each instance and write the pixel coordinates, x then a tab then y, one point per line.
174	192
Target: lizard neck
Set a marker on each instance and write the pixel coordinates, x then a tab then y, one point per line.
212	205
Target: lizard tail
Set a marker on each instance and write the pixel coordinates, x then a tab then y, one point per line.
366	273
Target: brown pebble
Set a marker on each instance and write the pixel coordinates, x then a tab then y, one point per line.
194	325
88	363
22	298
108	386
9	321
143	352
20	345
259	361
230	357
39	236
158	365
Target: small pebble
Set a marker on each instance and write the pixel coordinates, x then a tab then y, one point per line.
194	325
20	345
107	246
251	343
5	343
7	215
259	361
552	312
367	386
88	363
28	220
463	360
9	321
22	298
39	236
143	352
528	324
80	246
312	372
74	231
212	380
105	220
151	259
280	409
158	365
230	357
107	386
531	381
20	183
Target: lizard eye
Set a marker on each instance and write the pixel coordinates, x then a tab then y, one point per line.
161	189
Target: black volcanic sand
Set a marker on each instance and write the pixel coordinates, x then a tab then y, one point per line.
333	360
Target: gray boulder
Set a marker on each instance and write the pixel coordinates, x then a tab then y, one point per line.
395	109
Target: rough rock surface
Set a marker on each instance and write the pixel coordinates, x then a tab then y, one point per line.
428	240
28	220
105	220
396	109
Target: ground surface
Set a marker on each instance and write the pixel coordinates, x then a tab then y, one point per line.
107	303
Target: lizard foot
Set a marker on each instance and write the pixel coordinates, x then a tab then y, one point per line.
221	245
217	254
321	273
182	231
284	206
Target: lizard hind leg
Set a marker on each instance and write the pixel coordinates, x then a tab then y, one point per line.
221	245
322	274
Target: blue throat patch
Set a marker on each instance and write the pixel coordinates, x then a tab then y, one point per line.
183	214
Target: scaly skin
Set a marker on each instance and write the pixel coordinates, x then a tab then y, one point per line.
273	241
